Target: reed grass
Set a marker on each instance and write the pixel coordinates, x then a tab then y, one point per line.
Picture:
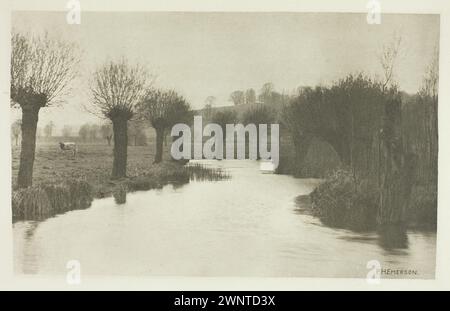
201	172
43	201
342	202
174	174
46	200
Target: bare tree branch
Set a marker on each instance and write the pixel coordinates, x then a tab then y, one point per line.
41	69
430	85
388	59
117	87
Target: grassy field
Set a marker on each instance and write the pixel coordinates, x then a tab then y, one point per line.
93	162
63	182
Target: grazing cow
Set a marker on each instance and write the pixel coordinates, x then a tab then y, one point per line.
69	146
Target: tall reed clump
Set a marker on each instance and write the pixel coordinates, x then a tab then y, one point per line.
158	178
342	201
141	183
43	201
177	176
174	174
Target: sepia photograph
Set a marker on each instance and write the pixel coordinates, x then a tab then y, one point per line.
224	144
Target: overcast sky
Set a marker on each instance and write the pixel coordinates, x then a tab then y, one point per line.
202	54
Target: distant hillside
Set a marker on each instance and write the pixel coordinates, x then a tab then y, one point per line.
240	109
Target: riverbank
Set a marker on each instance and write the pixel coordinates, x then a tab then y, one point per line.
93	163
63	182
251	214
340	202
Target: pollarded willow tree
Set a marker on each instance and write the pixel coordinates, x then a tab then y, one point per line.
116	89
163	109
41	71
346	115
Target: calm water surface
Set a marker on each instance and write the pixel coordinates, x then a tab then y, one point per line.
246	226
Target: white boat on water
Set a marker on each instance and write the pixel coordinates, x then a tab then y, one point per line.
266	167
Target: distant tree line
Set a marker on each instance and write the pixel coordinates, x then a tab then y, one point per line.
267	95
94	132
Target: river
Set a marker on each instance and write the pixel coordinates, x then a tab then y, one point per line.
248	225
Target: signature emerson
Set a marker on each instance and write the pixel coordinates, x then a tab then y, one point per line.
213	148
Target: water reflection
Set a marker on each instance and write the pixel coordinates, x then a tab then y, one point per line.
120	195
29	232
191	172
31	257
245	226
392	237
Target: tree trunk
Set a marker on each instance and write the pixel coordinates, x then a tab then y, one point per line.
159	145
120	128
396	187
109	140
397	169
30	117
